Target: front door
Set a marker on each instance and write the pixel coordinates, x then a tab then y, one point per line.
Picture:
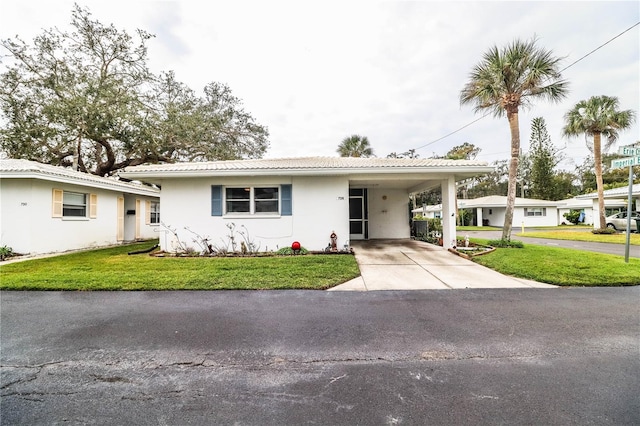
358	214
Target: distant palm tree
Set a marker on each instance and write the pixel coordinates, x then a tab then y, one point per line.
355	146
598	116
505	80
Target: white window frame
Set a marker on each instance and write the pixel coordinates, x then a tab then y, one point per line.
69	205
535	212
252	200
154	213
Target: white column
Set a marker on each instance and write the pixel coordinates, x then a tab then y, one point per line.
596	214
479	215
448	188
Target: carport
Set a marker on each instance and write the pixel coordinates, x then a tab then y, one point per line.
378	196
621	193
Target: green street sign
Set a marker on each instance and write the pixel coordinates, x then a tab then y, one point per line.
628	150
625	162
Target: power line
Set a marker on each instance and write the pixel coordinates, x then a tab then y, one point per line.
564	69
455	131
599	47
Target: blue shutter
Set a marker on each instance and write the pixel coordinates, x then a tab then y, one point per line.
216	200
285	200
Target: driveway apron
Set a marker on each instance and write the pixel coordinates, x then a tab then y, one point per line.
415	265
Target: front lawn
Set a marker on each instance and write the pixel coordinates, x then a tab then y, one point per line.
617	238
562	266
113	269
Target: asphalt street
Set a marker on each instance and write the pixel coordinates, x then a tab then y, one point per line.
433	357
607	248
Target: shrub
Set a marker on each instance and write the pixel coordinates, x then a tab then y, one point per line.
573	216
286	251
5	252
505	244
604	231
465	217
434	229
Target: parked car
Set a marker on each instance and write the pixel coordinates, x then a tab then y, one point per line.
618	221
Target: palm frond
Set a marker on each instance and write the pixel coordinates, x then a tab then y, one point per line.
598	114
513	76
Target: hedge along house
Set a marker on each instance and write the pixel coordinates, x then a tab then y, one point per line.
45	209
279	201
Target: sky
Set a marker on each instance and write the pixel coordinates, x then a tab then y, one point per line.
316	72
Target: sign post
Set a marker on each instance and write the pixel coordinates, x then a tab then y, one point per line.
634	160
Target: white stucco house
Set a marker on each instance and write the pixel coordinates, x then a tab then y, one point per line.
279	201
46	209
430	212
621	193
527	212
586	206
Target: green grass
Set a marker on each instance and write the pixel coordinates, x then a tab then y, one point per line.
580	227
560	266
113	269
619	238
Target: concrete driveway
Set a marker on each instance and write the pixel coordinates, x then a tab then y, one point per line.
416	265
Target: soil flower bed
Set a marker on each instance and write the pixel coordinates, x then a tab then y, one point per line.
468	249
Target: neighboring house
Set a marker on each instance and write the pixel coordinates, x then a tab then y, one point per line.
430	212
279	201
585	206
491	211
621	193
48	209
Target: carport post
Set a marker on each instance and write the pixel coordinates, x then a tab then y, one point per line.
448	188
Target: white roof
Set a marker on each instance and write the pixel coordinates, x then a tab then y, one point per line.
621	192
588	203
307	166
25	169
432	208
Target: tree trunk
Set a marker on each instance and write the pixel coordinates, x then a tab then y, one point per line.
597	153
513	173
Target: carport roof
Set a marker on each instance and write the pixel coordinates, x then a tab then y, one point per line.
621	192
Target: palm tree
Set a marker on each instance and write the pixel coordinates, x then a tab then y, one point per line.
355	146
598	116
506	80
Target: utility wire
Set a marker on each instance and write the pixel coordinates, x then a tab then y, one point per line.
562	70
601	46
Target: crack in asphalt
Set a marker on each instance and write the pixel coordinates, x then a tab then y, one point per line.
205	362
112	379
28	394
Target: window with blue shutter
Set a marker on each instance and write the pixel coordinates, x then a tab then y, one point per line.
251	200
286	200
216	200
